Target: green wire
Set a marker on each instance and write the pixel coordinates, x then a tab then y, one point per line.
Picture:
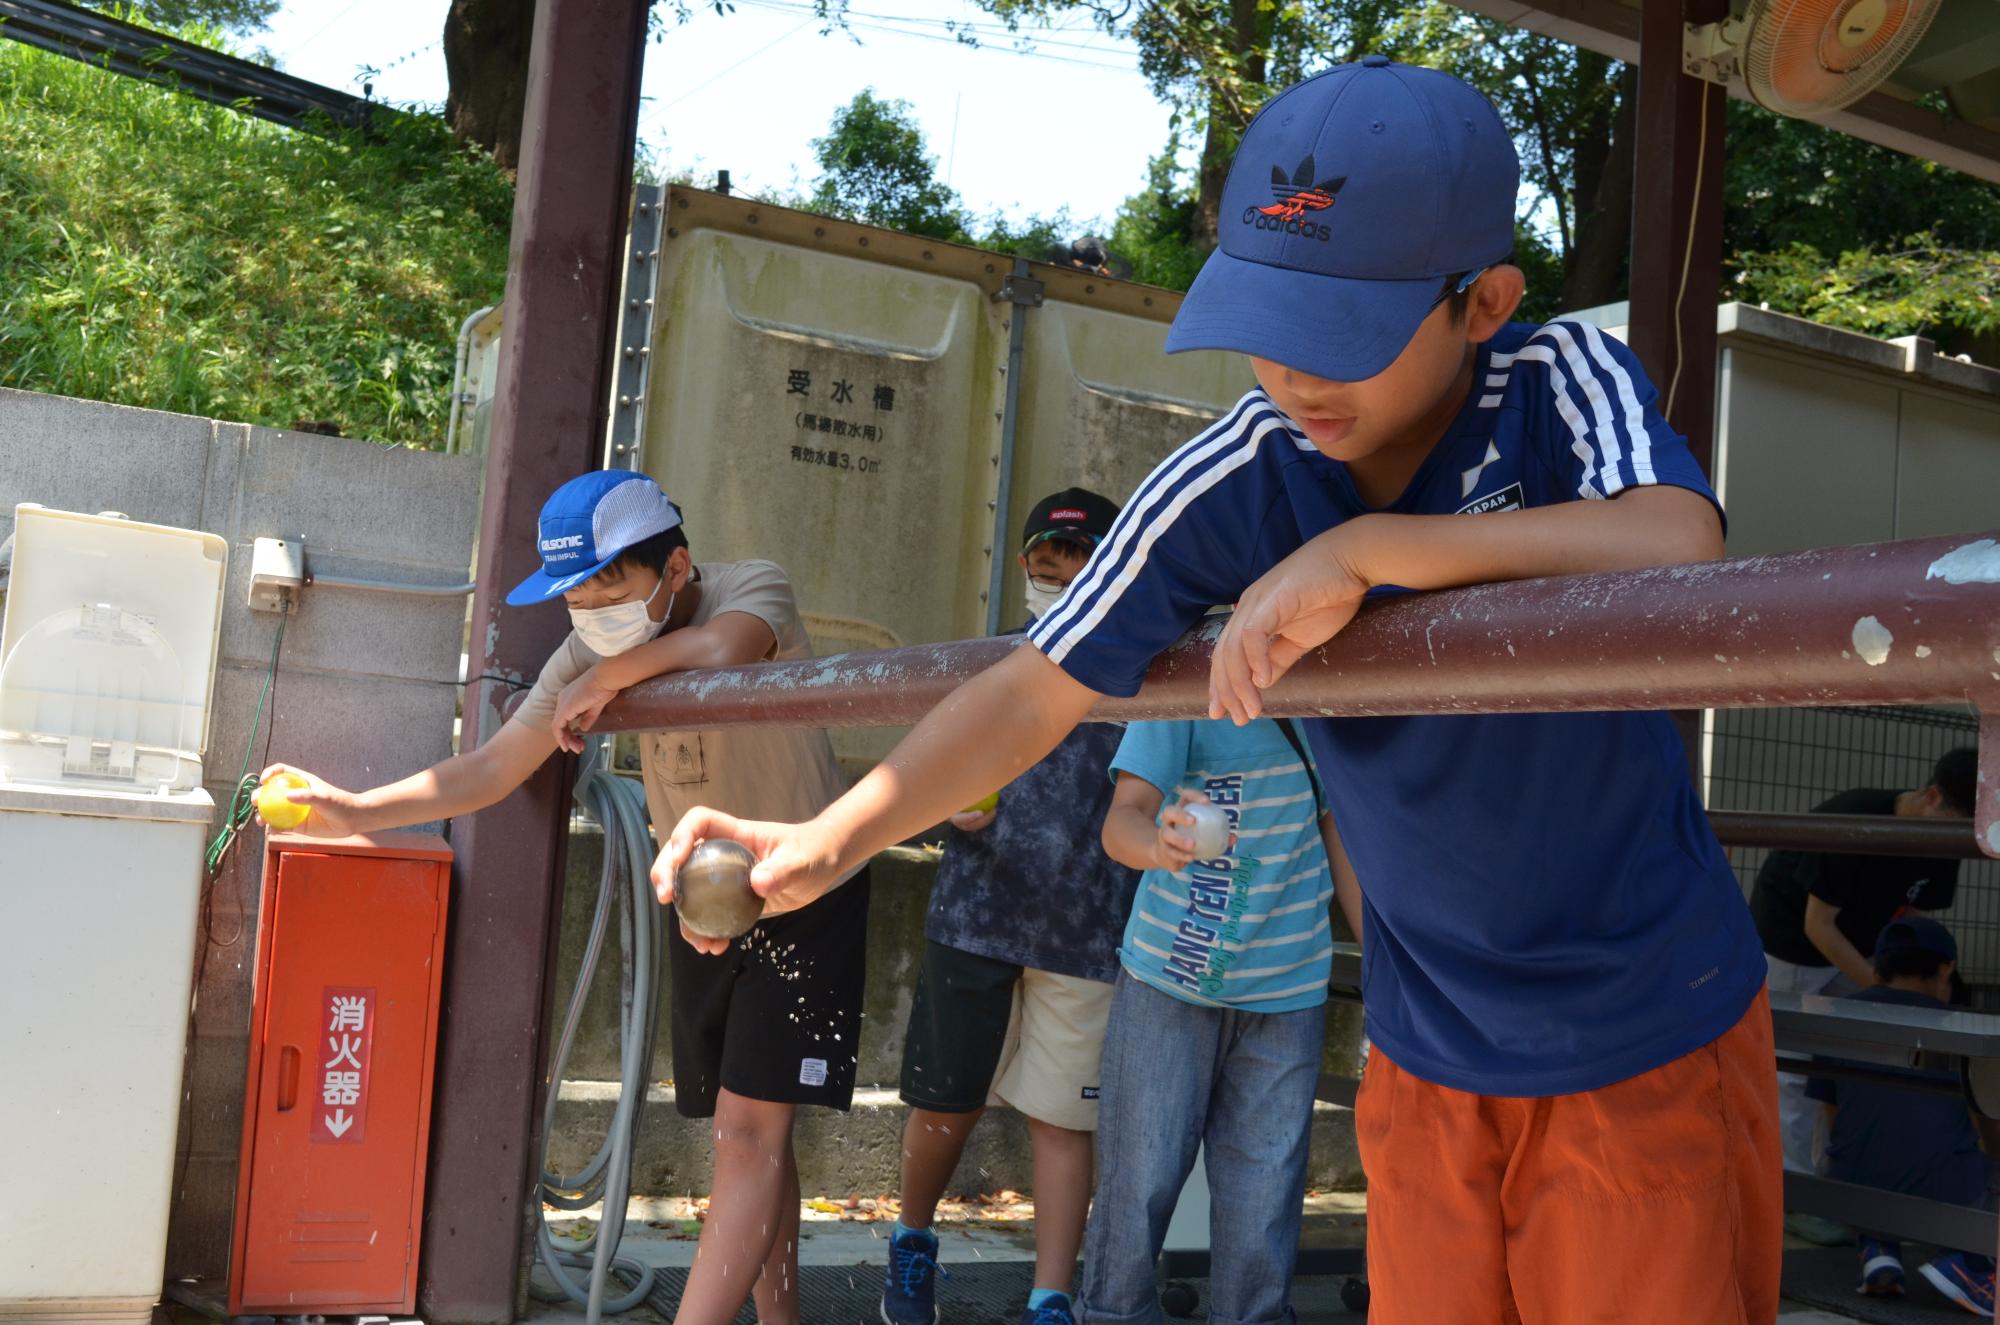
242	803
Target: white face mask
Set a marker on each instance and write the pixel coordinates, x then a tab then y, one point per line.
621	627
1040	600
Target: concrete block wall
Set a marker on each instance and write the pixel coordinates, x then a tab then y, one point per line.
365	689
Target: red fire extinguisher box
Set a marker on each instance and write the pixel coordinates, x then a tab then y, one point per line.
337	1102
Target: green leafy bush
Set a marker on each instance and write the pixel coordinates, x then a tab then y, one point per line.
159	251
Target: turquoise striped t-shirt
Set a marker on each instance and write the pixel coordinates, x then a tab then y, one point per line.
1247	930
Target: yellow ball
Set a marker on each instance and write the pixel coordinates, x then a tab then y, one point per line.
274	808
986	806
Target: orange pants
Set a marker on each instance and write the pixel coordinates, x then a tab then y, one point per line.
1655	1199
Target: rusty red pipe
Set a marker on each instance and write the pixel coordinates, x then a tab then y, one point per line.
1864	834
1914	622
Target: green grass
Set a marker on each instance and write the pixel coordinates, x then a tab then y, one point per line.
159	251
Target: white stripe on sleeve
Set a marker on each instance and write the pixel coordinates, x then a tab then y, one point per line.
1228	452
1612	478
1225	432
1635	414
1579	430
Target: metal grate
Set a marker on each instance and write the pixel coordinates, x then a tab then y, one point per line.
1789	760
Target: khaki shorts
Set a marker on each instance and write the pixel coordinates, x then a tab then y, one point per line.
989	1032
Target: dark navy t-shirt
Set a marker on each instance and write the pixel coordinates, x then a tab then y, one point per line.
1034	887
1869	890
1546	909
1916	1142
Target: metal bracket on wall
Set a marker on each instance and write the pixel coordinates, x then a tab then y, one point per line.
1713	52
1020	288
635	332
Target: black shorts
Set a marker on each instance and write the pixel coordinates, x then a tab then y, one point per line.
958	1029
778	1016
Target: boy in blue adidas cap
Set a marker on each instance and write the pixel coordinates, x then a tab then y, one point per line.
1571	1111
615	552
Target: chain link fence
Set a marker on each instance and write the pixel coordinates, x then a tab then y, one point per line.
1786	761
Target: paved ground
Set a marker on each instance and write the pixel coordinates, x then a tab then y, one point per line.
841	1265
990	1256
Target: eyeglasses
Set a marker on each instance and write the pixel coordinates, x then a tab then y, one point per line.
1461	283
1048	582
1455	285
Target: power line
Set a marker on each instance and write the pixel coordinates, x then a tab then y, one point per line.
323	29
883	26
967	25
666	106
991	31
408	56
945	29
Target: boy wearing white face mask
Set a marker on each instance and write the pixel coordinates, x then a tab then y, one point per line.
1022	946
614	549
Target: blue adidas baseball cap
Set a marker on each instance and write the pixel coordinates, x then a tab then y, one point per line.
1352	197
587	523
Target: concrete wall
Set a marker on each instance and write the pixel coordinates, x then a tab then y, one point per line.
365	688
1825	438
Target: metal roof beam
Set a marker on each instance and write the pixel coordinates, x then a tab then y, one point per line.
154	57
1612	29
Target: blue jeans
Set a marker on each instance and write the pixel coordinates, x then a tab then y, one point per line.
1174	1076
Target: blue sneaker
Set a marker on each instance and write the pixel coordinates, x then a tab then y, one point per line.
1053	1311
909	1292
1966	1280
1881	1268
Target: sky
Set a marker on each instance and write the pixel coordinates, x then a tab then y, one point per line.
1069	124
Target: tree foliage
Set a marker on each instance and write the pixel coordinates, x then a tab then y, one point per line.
1815	222
1844	232
1215	62
874	168
1919	286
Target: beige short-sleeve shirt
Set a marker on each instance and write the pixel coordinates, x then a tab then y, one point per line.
774	773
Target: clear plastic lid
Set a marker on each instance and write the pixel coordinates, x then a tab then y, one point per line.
107	652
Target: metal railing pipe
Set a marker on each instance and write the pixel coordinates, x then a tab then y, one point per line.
1913	622
1863	834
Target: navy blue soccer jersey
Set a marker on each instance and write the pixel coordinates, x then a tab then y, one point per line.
1546	909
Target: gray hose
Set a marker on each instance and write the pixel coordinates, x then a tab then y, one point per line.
619	804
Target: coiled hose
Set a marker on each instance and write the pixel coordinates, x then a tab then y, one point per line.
619	805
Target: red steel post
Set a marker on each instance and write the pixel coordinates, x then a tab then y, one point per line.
1677	221
1676	269
548	425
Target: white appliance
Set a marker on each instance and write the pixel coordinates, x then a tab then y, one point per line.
107	662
